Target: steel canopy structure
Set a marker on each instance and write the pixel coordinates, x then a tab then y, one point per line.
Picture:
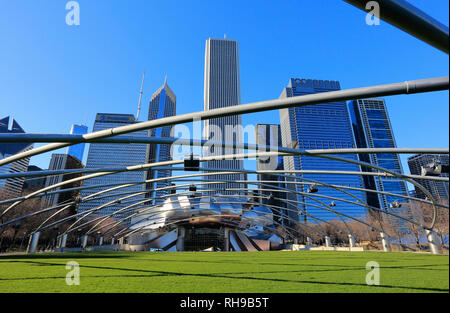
181	206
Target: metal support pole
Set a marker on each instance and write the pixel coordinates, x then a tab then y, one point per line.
351	241
410	19
227	239
84	241
327	241
434	242
34	242
112	240
385	242
121	241
308	241
180	238
63	241
100	240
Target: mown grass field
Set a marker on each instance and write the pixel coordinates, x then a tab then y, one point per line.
208	272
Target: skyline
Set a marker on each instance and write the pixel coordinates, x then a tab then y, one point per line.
93	76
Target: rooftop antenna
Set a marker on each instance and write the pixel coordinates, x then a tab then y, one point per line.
140	97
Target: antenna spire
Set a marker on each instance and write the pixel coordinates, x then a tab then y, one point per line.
140	97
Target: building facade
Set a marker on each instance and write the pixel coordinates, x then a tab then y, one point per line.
12	187
106	155
320	126
33	184
373	129
162	104
77	150
222	89
60	161
438	189
270	135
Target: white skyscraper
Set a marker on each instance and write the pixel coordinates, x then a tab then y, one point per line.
222	89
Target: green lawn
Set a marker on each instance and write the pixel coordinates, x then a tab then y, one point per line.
274	271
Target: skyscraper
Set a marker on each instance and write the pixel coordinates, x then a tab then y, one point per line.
12	187
373	129
438	189
162	104
270	135
60	161
321	126
77	150
222	89
104	155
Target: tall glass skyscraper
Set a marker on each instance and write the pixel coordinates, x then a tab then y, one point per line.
162	104
77	150
222	89
270	135
104	155
321	126
373	129
12	187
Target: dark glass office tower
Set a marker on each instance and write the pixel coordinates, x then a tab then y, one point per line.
321	126
373	129
222	89
162	104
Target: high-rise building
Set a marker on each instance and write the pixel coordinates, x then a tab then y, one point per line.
35	183
373	129
321	126
61	161
12	187
162	104
222	89
106	155
270	135
438	189
77	150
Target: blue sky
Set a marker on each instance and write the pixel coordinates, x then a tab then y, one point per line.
53	75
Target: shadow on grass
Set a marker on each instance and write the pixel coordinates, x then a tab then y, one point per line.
154	273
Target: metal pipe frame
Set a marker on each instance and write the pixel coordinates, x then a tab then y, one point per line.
410	19
408	87
399	13
174	177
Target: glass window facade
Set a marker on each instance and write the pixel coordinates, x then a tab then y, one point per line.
104	155
77	150
373	129
321	126
162	104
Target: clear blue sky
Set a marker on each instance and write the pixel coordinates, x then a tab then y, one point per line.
53	75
